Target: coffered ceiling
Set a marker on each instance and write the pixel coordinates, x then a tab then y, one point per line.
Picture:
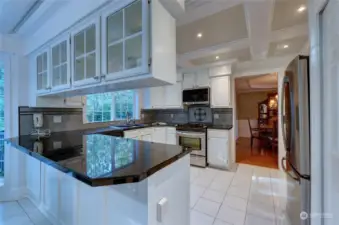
263	82
239	31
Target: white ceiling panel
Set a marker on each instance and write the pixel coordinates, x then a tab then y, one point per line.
286	47
239	55
11	11
225	26
286	14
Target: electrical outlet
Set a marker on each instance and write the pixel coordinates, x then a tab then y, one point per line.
57	119
216	116
57	144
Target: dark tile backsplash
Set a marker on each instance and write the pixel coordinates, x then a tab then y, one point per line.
71	119
220	116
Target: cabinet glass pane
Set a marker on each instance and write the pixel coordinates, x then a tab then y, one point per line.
55	56
63	74
133	52
39	64
115	58
90	39
44	61
133	18
56	76
115	27
79	69
79	43
44	80
63	51
90	65
39	82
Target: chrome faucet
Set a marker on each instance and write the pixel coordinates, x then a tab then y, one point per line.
129	119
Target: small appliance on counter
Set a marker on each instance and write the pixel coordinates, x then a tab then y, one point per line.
38	122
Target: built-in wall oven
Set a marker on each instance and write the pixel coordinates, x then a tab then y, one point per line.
196	141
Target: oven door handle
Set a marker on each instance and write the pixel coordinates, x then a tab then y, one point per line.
190	134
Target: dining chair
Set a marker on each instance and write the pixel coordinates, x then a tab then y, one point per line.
255	134
274	138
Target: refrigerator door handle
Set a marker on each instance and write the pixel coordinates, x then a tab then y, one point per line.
288	172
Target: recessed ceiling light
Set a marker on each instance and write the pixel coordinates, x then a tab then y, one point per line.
285	46
302	8
199	35
217	57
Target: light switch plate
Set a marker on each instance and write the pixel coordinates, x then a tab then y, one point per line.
216	116
162	209
172	116
57	119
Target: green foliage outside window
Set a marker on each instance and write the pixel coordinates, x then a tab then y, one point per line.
99	107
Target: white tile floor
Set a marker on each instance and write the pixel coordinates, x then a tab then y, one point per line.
250	196
21	212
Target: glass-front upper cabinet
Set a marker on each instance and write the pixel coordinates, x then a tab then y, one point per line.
125	40
42	72
86	53
60	71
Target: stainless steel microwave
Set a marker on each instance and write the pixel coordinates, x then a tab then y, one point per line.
198	96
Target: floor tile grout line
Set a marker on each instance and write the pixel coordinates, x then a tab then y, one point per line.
248	197
30	219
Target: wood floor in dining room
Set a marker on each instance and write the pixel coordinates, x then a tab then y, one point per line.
264	157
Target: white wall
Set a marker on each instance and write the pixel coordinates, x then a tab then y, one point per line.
16	93
324	110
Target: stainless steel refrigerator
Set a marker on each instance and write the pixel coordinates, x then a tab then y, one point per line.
296	134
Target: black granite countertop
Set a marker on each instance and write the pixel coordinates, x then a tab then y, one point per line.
100	160
220	127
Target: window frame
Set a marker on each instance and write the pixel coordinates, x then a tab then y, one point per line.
113	118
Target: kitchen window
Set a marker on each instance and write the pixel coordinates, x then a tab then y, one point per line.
111	106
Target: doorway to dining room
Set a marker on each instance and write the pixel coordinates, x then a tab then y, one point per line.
257	120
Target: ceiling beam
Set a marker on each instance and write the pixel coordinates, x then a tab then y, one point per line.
259	15
199	9
275	36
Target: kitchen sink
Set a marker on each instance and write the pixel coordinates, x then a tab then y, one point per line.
125	126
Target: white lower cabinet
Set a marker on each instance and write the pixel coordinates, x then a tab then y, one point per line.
218	148
159	135
171	136
146	137
164	135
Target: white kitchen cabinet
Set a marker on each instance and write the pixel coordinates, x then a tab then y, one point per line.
122	46
61	64
218	148
188	81
157	97
171	136
173	95
146	137
125	42
220	71
159	135
42	72
86	53
196	80
202	79
171	139
220	92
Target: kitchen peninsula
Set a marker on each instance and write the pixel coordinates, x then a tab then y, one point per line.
100	179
